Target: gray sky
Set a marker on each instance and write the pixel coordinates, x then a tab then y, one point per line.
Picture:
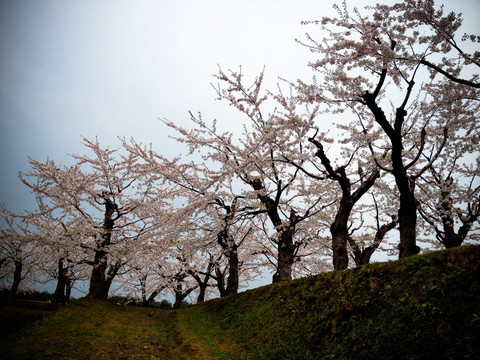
112	68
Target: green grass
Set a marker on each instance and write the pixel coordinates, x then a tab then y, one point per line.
90	329
420	307
416	308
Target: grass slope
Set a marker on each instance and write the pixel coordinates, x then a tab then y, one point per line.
92	329
420	307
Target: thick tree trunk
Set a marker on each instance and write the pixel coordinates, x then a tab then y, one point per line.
201	293
407	219
452	242
450	238
100	281
112	272
230	252
286	255
233	271
285	230
220	279
98	286
230	249
17	279
363	257
59	294
147	301
181	295
339	227
407	213
339	231
178	301
202	284
284	265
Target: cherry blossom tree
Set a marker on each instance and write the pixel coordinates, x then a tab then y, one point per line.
99	193
274	188
367	60
450	190
452	214
211	215
231	237
147	274
348	199
181	289
62	259
18	251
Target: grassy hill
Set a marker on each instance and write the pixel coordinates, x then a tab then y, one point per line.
422	307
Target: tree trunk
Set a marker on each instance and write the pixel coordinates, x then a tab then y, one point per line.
365	256
201	293
146	302
17	278
230	251
286	254
112	272
452	241
59	294
284	267
181	295
339	231
178	301
407	213
202	284
285	244
450	238
99	281
97	288
407	217
220	279
233	265
407	220
339	228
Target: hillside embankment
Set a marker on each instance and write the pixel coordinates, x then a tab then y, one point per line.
421	307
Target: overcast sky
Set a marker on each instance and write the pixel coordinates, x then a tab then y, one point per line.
110	69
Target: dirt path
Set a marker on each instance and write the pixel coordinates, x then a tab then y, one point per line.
181	344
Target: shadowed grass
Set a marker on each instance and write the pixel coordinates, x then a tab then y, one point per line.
22	314
421	307
89	329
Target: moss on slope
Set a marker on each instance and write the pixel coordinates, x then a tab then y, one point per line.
416	308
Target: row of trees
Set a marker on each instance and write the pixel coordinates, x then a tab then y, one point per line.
383	141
